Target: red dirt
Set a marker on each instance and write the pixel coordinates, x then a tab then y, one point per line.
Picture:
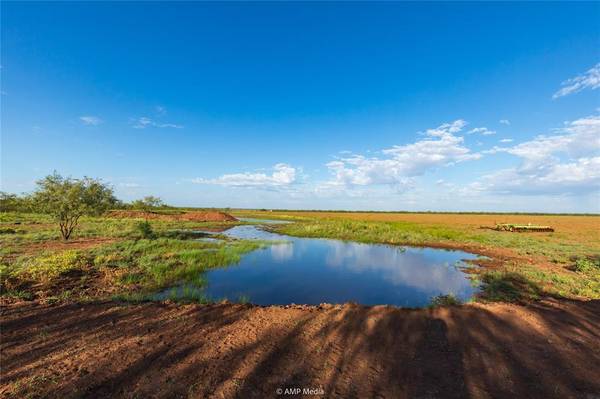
548	349
194	216
62	245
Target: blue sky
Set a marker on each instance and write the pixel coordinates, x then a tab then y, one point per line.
362	106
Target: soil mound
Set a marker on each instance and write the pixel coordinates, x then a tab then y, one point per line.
195	216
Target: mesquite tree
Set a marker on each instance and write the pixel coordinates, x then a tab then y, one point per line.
68	199
147	203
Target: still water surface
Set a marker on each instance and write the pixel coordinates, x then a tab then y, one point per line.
314	271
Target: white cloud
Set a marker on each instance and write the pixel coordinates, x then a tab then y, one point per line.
590	79
484	131
506	140
160	110
576	139
283	175
504	122
144	122
565	163
90	120
403	162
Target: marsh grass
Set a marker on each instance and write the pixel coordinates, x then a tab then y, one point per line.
162	262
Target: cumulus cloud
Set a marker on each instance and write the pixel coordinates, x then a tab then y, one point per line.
484	131
565	162
504	122
588	80
283	175
402	163
90	120
144	122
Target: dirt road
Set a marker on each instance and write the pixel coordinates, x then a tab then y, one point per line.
543	350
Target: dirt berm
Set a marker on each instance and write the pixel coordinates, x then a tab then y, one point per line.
194	216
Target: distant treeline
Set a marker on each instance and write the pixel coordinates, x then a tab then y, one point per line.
418	212
25	203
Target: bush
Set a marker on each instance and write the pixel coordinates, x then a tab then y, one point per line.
145	229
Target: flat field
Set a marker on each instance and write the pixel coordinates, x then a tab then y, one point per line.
76	319
520	266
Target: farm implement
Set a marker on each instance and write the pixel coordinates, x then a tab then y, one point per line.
522	228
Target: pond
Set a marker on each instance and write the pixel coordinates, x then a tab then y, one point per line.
314	271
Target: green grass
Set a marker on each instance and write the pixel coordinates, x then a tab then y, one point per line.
419	234
444	300
133	266
155	264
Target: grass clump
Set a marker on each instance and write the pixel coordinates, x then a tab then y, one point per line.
587	265
444	300
144	229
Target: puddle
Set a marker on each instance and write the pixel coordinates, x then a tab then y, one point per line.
314	271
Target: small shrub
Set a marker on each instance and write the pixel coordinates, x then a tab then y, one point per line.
444	300
144	229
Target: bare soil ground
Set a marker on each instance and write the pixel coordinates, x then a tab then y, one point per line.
547	349
194	216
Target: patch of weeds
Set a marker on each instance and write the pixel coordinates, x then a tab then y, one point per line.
144	229
185	234
51	300
18	294
135	297
190	294
49	267
444	300
131	278
110	260
508	287
586	265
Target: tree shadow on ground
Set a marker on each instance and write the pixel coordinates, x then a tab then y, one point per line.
548	349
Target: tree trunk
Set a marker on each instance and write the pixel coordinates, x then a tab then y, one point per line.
67	225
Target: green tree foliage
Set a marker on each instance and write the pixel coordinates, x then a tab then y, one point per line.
148	203
14	203
68	199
